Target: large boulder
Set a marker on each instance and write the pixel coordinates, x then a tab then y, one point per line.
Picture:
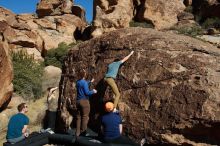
54	7
8	16
3	24
162	14
58	29
6	12
110	15
6	86
169	86
51	77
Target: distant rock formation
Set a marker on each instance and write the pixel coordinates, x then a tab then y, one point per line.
162	14
206	8
169	87
110	15
54	7
37	35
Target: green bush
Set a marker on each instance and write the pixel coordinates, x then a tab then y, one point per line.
211	23
140	24
190	30
27	75
198	18
56	56
189	9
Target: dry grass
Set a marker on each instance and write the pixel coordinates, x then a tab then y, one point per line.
36	111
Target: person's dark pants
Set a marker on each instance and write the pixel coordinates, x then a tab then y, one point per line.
34	139
83	110
51	119
15	140
120	140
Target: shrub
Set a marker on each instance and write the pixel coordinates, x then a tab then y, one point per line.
190	30
140	24
56	56
198	18
27	75
189	9
211	22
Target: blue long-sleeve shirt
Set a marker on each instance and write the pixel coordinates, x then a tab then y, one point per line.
83	91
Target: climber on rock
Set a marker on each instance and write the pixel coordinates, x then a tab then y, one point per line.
110	77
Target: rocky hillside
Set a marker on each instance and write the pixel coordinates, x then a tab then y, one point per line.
56	21
111	15
169	87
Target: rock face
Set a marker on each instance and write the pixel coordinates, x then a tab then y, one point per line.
37	35
54	7
170	86
6	86
51	77
79	11
206	8
110	15
162	14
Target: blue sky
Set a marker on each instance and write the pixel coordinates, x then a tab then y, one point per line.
29	6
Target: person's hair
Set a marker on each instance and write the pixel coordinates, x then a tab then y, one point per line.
82	73
109	106
48	89
21	106
116	60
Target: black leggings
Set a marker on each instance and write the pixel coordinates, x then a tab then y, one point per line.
51	119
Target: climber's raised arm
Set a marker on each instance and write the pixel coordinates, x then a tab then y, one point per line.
127	57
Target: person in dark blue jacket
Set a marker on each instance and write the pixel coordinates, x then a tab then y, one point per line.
82	103
112	127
